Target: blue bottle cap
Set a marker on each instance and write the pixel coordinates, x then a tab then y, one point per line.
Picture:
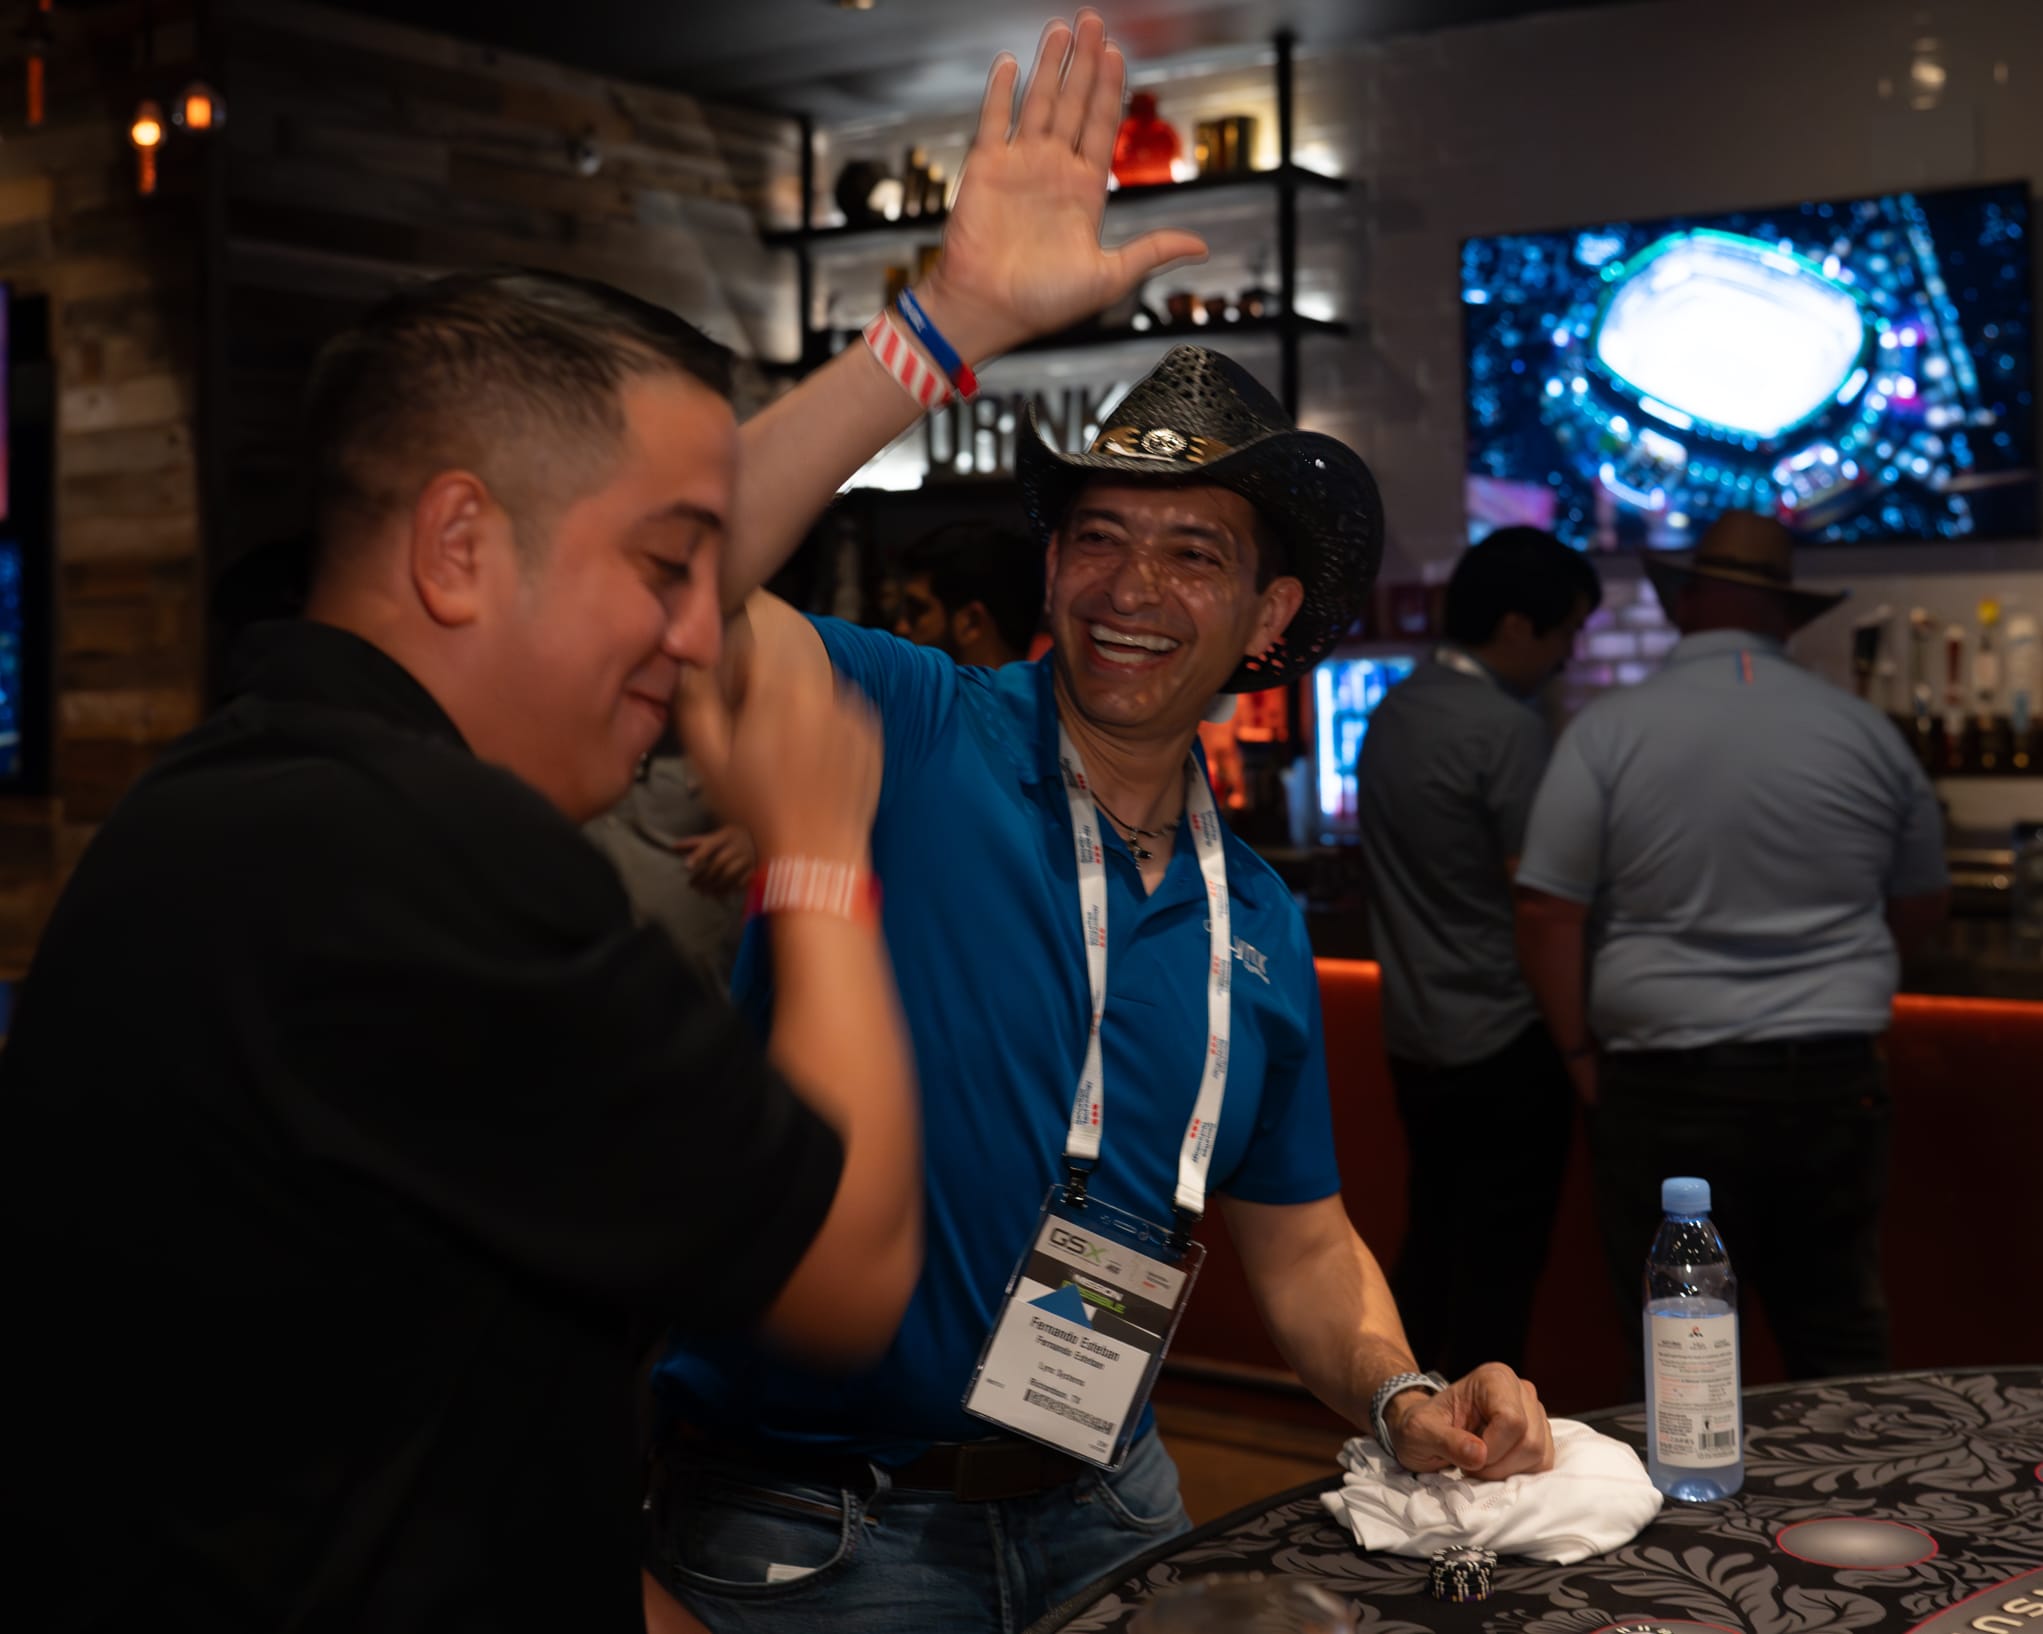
1685	1197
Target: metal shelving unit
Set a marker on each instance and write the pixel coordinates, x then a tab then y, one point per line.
1286	181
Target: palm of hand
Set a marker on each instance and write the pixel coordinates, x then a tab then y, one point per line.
1026	234
1021	253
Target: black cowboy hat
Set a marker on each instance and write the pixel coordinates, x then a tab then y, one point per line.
1199	417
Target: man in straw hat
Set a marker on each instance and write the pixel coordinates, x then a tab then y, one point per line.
1050	850
1109	995
1720	865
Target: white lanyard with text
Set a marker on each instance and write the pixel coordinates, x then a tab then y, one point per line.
1082	1143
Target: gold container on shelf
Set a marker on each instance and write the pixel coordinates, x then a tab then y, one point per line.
1225	147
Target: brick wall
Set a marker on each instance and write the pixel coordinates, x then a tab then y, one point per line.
356	154
364	153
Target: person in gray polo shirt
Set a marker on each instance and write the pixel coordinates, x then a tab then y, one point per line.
1446	779
1732	852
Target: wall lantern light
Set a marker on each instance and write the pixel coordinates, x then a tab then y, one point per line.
146	132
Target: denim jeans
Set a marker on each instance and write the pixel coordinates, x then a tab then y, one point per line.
750	1549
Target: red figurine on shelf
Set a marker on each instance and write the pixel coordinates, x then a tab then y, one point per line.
1146	145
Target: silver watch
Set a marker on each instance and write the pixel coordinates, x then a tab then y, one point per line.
1397	1385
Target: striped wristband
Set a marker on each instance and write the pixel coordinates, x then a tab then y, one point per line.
898	356
814	885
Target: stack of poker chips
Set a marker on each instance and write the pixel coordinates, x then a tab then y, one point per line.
1462	1575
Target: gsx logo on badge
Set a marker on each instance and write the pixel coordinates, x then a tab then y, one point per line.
1076	1244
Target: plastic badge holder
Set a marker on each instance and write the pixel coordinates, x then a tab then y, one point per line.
1121	1267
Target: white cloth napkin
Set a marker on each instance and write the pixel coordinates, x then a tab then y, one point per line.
1596	1497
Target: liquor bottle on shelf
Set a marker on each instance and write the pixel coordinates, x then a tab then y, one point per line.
1956	741
1988	750
1922	626
2025	673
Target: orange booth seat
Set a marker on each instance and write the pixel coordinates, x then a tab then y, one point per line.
1964	1238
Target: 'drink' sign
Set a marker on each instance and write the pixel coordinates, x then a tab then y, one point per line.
977	439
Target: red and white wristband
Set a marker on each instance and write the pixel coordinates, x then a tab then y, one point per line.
900	357
842	890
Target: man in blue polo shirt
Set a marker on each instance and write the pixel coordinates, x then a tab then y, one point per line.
1202	544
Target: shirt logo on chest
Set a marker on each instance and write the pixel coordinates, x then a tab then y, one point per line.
1252	959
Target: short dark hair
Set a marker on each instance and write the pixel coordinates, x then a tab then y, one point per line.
512	373
994	566
1517	570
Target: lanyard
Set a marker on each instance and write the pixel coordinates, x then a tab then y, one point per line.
1455	659
1082	1143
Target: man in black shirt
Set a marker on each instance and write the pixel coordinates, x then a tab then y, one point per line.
358	1144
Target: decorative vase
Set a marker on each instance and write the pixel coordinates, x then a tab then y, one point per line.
1146	145
854	191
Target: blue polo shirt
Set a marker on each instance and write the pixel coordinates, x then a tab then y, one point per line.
972	841
1736	825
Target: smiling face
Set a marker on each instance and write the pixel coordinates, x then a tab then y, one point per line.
1153	601
589	632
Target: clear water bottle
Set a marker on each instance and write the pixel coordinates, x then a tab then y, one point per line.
1695	1420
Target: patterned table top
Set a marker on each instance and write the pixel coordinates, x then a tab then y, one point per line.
1937	1473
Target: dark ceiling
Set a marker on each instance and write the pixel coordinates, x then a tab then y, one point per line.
901	56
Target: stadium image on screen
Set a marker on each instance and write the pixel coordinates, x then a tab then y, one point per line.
1860	368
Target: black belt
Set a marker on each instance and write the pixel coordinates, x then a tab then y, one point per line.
987	1471
1837	1048
970	1471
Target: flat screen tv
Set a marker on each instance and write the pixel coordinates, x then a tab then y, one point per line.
1345	692
1861	368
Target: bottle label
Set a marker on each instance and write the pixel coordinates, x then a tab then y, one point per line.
1695	1389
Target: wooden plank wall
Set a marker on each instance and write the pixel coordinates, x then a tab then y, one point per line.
358	154
364	153
122	276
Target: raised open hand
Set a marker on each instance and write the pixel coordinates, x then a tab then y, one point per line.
1021	253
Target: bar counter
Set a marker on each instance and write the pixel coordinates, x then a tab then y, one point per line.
1976	955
